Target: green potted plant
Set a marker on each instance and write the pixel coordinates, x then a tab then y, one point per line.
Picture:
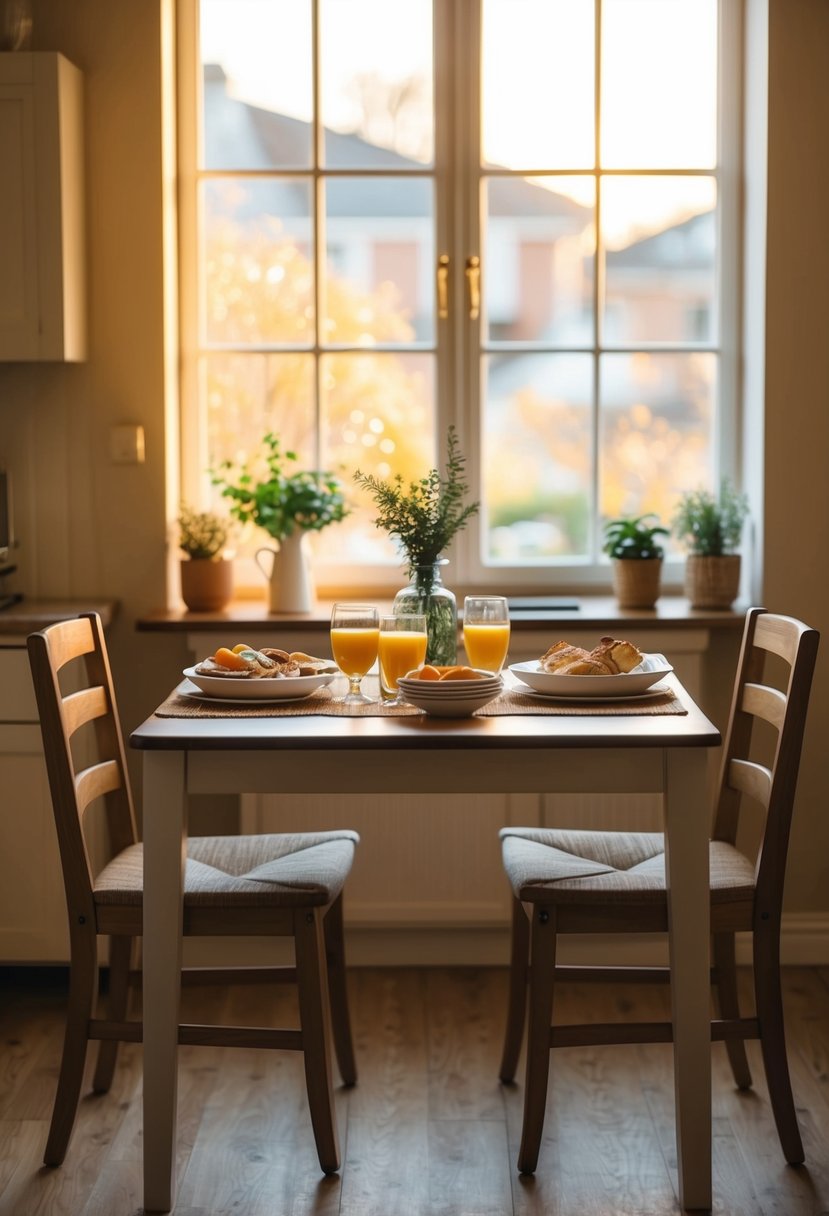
423	517
636	555
287	503
712	528
206	571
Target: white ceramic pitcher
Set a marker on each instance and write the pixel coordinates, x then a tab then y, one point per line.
289	576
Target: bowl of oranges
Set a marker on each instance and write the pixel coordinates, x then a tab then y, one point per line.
450	692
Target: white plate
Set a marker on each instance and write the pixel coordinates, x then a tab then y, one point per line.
598	688
228	688
654	691
190	690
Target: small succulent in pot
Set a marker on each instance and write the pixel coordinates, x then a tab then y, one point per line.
632	543
634	538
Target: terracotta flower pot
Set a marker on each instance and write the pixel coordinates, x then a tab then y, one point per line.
636	581
712	582
206	584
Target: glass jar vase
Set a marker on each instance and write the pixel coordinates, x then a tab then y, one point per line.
426	594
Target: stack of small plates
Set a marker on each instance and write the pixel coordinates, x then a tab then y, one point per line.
451	698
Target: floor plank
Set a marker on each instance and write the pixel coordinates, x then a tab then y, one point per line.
428	1130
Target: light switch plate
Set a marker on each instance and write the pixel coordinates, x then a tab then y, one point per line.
126	444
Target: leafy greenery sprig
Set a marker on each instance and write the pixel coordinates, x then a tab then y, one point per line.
202	534
627	538
283	500
425	515
711	526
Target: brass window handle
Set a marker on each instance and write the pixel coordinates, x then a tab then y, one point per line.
473	279
443	286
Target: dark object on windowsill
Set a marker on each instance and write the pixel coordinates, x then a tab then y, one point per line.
535	604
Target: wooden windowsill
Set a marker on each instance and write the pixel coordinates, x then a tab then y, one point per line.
597	612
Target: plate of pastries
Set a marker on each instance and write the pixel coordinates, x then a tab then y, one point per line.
243	673
613	668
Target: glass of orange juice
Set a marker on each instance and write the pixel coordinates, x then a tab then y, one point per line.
486	631
355	630
402	649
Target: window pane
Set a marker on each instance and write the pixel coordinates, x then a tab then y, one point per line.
657	430
258	278
380	244
659	84
256	65
660	259
537	102
249	395
538	272
376	83
536	456
378	416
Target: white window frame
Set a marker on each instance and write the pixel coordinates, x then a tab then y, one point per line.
458	174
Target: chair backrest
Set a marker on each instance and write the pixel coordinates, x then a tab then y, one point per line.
75	787
755	698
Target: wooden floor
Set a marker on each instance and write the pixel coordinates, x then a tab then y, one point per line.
428	1128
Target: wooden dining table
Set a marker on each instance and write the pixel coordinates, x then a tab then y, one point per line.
589	752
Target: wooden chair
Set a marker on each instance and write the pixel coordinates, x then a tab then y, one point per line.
621	889
277	885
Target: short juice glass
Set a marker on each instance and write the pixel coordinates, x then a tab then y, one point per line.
486	631
402	649
355	629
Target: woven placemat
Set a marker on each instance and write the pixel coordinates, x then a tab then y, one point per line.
323	703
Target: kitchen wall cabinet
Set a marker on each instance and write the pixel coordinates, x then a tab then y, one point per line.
42	253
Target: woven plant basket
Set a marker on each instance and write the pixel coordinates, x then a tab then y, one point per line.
636	582
712	582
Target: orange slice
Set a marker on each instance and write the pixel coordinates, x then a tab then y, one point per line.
240	647
427	673
231	660
459	673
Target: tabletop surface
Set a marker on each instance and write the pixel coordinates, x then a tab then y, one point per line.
315	732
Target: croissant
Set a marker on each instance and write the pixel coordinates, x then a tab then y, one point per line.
560	655
617	655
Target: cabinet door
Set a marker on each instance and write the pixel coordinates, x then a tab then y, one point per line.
32	907
18	242
42	311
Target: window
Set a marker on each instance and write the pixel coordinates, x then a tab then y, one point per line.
572	161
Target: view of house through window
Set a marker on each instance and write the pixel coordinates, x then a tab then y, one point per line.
331	171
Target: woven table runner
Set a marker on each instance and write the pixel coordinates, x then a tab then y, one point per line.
323	703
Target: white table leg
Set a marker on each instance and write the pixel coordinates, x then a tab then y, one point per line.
164	856
686	834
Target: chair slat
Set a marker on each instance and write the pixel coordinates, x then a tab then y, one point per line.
93	782
84	706
751	779
764	702
779	634
74	639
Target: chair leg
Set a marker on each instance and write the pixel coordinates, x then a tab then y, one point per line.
314	1016
340	1018
769	1000
517	1007
120	951
83	974
728	1002
542	978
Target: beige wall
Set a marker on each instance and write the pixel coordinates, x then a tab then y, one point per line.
91	527
86	525
796	541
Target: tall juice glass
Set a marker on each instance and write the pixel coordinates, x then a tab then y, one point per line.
402	649
355	629
486	631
